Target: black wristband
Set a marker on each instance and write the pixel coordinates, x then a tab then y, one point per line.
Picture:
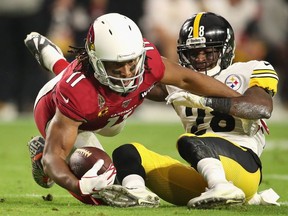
221	105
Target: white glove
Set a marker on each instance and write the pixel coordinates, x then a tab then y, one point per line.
266	197
183	98
92	182
250	127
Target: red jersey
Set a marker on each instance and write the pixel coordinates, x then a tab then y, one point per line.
84	99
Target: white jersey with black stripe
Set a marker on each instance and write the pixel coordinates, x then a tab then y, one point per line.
239	76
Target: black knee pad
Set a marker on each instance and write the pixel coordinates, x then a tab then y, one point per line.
193	149
127	160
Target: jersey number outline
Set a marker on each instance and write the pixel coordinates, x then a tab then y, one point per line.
82	76
111	121
219	123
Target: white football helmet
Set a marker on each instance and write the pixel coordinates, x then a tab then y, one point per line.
115	38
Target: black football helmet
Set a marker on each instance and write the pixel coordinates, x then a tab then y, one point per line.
206	31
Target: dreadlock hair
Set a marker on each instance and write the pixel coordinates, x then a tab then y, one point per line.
82	57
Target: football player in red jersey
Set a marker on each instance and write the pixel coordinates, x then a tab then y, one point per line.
221	149
97	92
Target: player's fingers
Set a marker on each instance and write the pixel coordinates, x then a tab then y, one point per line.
110	173
97	166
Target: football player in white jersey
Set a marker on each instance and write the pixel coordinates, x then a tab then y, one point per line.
224	137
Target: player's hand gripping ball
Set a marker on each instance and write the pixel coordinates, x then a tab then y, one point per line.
84	158
81	161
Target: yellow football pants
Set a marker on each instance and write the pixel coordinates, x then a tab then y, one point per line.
177	183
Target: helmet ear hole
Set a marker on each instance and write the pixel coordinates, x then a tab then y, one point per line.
204	30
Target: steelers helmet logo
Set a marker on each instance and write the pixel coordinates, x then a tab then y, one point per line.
233	81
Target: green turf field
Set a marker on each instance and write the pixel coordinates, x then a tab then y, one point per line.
19	195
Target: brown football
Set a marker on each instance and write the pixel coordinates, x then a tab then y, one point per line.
84	158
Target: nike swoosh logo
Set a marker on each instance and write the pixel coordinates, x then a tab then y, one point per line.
66	100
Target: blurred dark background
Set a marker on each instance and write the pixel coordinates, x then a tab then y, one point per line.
260	26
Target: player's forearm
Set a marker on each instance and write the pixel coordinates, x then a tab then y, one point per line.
195	82
238	108
209	86
58	170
